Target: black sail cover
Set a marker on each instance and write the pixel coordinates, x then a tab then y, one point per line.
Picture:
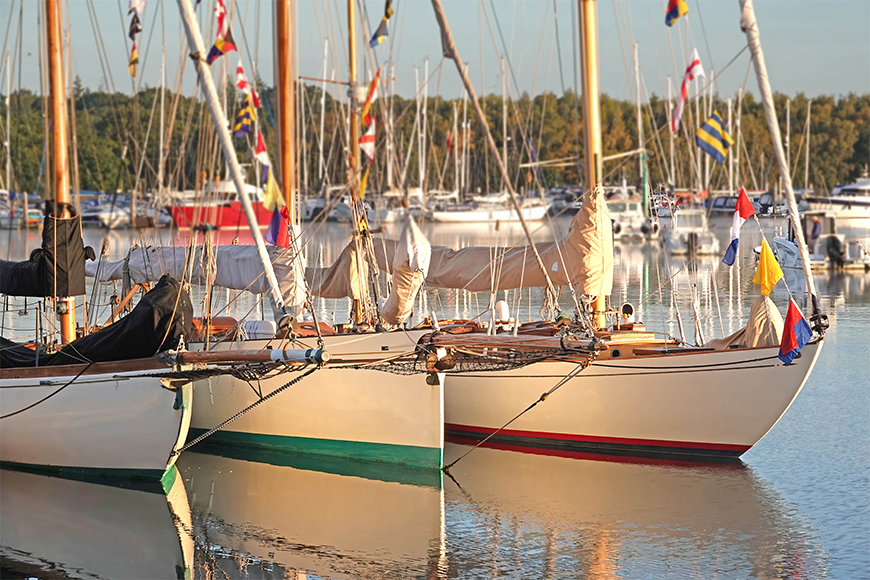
156	323
55	269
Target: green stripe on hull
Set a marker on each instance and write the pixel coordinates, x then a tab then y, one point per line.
412	456
140	479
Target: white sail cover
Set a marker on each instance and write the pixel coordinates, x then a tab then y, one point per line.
584	258
235	267
410	266
764	328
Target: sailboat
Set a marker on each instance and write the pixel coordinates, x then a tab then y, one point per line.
97	406
628	392
343	409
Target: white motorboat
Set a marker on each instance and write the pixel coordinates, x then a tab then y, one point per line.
689	233
488	213
629	221
830	250
850	202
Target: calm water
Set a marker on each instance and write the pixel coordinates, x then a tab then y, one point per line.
797	507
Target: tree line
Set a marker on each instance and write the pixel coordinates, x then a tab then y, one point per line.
117	141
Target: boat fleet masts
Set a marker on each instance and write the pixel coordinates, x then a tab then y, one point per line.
286	103
60	151
753	37
450	51
194	39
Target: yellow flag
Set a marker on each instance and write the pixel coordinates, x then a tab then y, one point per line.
134	60
768	272
273	193
362	184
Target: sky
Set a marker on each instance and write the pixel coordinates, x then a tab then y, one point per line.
811	47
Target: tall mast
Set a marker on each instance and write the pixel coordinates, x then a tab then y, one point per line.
806	167
354	132
285	78
198	52
323	109
591	113
8	125
504	136
639	116
749	25
671	133
60	153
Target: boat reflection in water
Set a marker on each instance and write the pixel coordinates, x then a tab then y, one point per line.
528	515
61	528
289	513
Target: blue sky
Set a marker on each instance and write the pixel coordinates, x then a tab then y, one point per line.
815	47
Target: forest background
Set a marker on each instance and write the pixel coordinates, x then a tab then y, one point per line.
113	130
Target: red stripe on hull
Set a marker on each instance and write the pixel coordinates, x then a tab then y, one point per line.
228	215
727	462
571	440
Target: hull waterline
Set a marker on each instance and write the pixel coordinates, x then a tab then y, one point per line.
113	424
337	412
711	404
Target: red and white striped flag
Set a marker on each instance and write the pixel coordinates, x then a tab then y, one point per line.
243	85
695	69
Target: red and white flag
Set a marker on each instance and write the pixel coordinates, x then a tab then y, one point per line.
370	98
367	141
263	157
220	12
243	84
695	69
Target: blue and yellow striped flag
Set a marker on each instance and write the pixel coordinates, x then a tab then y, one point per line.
383	30
712	138
245	119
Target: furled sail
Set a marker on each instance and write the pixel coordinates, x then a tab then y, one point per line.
235	267
764	328
54	269
583	258
410	265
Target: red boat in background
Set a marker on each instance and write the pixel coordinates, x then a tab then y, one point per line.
218	208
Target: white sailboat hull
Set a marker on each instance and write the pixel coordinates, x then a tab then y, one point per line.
532	213
712	403
340	412
111	423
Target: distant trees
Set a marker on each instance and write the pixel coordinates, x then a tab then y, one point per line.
546	126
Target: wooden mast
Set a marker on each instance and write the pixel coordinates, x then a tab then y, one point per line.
286	81
354	132
352	158
591	112
60	153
